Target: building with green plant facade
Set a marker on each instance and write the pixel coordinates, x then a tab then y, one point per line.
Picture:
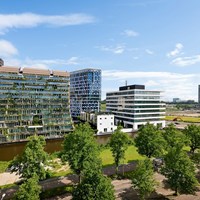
33	101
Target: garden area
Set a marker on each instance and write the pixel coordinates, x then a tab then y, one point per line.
125	168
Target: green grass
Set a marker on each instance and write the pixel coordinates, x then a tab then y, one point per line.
103	107
3	166
184	119
61	173
131	155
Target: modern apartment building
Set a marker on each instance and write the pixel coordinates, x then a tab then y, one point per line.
85	91
33	101
133	106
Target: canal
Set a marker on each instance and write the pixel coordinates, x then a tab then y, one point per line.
9	151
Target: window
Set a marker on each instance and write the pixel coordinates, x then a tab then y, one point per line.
105	129
111	123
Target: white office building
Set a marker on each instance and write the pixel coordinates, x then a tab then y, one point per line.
133	106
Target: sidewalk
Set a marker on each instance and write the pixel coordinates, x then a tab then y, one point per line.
8	178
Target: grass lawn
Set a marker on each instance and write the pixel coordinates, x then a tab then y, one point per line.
3	166
103	107
107	159
184	118
131	155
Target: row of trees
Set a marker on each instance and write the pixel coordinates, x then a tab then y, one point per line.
169	144
81	151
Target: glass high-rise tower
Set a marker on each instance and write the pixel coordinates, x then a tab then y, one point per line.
33	101
85	91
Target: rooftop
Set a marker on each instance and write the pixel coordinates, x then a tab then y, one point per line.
8	69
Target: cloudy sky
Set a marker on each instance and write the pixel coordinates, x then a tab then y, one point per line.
151	42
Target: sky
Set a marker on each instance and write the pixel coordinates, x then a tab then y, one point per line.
151	42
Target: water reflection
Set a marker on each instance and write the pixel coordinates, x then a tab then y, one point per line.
9	151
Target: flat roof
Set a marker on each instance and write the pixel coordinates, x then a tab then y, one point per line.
26	70
85	70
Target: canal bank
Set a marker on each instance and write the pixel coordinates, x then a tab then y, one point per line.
9	150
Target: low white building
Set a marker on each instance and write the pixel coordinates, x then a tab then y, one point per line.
103	121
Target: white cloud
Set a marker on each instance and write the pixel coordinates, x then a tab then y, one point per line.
173	85
176	51
41	64
185	61
130	33
7	48
149	52
70	61
28	20
119	49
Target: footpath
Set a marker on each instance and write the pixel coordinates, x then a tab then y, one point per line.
7	178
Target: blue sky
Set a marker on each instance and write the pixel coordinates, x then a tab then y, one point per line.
151	42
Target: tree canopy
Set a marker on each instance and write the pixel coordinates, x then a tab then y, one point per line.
33	159
149	141
81	149
119	143
142	178
192	132
29	190
180	171
174	137
93	187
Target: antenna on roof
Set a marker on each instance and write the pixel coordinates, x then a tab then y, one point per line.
126	83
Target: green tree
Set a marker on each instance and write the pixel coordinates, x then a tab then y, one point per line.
33	159
119	142
142	178
149	141
174	137
80	150
95	186
192	132
180	171
29	190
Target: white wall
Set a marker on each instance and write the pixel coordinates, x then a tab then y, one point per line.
105	124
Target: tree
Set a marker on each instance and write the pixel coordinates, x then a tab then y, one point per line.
192	132
80	150
174	137
119	142
180	171
95	186
33	159
149	141
142	178
29	190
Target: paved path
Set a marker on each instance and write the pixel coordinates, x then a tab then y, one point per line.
60	181
8	178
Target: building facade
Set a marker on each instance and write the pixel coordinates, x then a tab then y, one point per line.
33	101
133	106
104	122
85	91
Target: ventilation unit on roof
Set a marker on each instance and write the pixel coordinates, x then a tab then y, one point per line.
20	70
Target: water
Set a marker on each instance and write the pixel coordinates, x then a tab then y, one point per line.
9	151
